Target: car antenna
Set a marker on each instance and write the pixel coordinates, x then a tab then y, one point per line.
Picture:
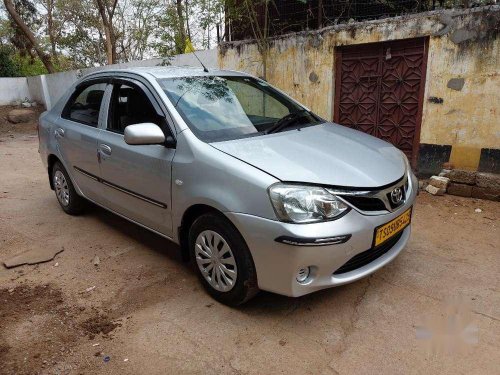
197	58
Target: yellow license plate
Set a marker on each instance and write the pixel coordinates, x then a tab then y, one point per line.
393	227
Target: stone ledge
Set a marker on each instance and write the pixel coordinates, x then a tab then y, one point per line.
491	194
488	180
462	177
461	190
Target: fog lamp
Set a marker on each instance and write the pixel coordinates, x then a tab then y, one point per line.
303	274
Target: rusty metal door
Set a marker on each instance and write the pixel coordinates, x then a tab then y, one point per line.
379	90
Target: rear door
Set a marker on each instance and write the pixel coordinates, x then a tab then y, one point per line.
77	132
136	178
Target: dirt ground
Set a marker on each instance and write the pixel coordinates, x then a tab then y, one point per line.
435	309
10	130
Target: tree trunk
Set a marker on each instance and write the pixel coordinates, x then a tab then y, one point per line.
187	19
109	32
50	29
181	43
265	39
109	45
320	14
31	37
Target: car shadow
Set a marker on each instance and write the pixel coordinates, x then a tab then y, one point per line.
264	303
142	235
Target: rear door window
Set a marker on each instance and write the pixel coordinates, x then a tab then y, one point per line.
84	106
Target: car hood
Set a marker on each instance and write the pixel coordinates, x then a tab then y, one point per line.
327	154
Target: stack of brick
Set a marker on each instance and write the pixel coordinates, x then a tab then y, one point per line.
474	184
437	185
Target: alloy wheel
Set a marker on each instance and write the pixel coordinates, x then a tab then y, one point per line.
61	187
216	260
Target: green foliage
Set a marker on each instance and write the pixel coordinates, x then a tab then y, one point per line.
29	14
169	41
71	32
8	68
29	67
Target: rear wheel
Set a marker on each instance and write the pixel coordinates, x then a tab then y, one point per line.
66	194
222	260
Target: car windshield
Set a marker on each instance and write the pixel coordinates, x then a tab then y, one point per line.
220	108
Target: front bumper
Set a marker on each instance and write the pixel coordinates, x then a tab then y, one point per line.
277	263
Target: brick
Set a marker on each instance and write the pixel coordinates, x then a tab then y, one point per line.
448	165
444	172
488	180
434	190
439	182
422	184
491	194
461	190
462	177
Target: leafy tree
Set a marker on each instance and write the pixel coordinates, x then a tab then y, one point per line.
136	24
70	34
23	14
26	66
8	67
254	14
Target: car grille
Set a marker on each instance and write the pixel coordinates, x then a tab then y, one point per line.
366	204
374	200
368	256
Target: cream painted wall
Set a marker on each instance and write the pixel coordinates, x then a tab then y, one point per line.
303	65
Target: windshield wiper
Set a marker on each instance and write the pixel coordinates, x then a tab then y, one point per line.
286	121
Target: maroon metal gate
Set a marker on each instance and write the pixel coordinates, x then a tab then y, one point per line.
379	89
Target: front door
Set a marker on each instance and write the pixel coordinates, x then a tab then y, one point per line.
379	89
77	133
136	178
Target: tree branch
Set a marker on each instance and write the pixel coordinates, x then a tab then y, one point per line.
29	35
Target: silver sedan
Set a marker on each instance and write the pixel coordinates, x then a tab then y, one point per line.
260	192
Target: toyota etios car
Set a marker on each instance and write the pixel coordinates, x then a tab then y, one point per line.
260	192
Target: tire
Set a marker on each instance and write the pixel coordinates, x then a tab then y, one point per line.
213	231
66	194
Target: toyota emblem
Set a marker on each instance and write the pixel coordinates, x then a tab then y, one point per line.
397	195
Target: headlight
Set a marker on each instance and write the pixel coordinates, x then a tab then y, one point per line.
305	204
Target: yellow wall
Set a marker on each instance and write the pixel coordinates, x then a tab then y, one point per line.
468	119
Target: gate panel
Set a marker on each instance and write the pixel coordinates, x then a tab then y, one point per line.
379	90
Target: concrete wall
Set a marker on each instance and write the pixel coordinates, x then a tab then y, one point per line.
462	45
12	89
47	89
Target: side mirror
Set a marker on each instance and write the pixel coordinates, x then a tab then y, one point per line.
144	134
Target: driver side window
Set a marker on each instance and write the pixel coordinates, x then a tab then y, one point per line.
130	105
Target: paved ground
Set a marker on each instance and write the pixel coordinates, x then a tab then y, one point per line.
147	312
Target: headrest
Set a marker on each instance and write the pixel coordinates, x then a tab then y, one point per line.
95	97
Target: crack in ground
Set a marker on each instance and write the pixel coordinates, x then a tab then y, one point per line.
349	327
434	298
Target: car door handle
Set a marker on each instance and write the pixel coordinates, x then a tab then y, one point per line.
105	149
59	133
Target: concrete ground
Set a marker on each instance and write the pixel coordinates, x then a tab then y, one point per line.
435	309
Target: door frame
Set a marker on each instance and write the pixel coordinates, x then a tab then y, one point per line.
337	87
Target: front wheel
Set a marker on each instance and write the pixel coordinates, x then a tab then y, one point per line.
222	259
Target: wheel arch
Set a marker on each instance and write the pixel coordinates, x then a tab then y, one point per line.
51	160
188	218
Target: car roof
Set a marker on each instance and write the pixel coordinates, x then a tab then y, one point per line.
168	72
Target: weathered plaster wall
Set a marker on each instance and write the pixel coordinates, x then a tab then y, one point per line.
464	70
462	45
